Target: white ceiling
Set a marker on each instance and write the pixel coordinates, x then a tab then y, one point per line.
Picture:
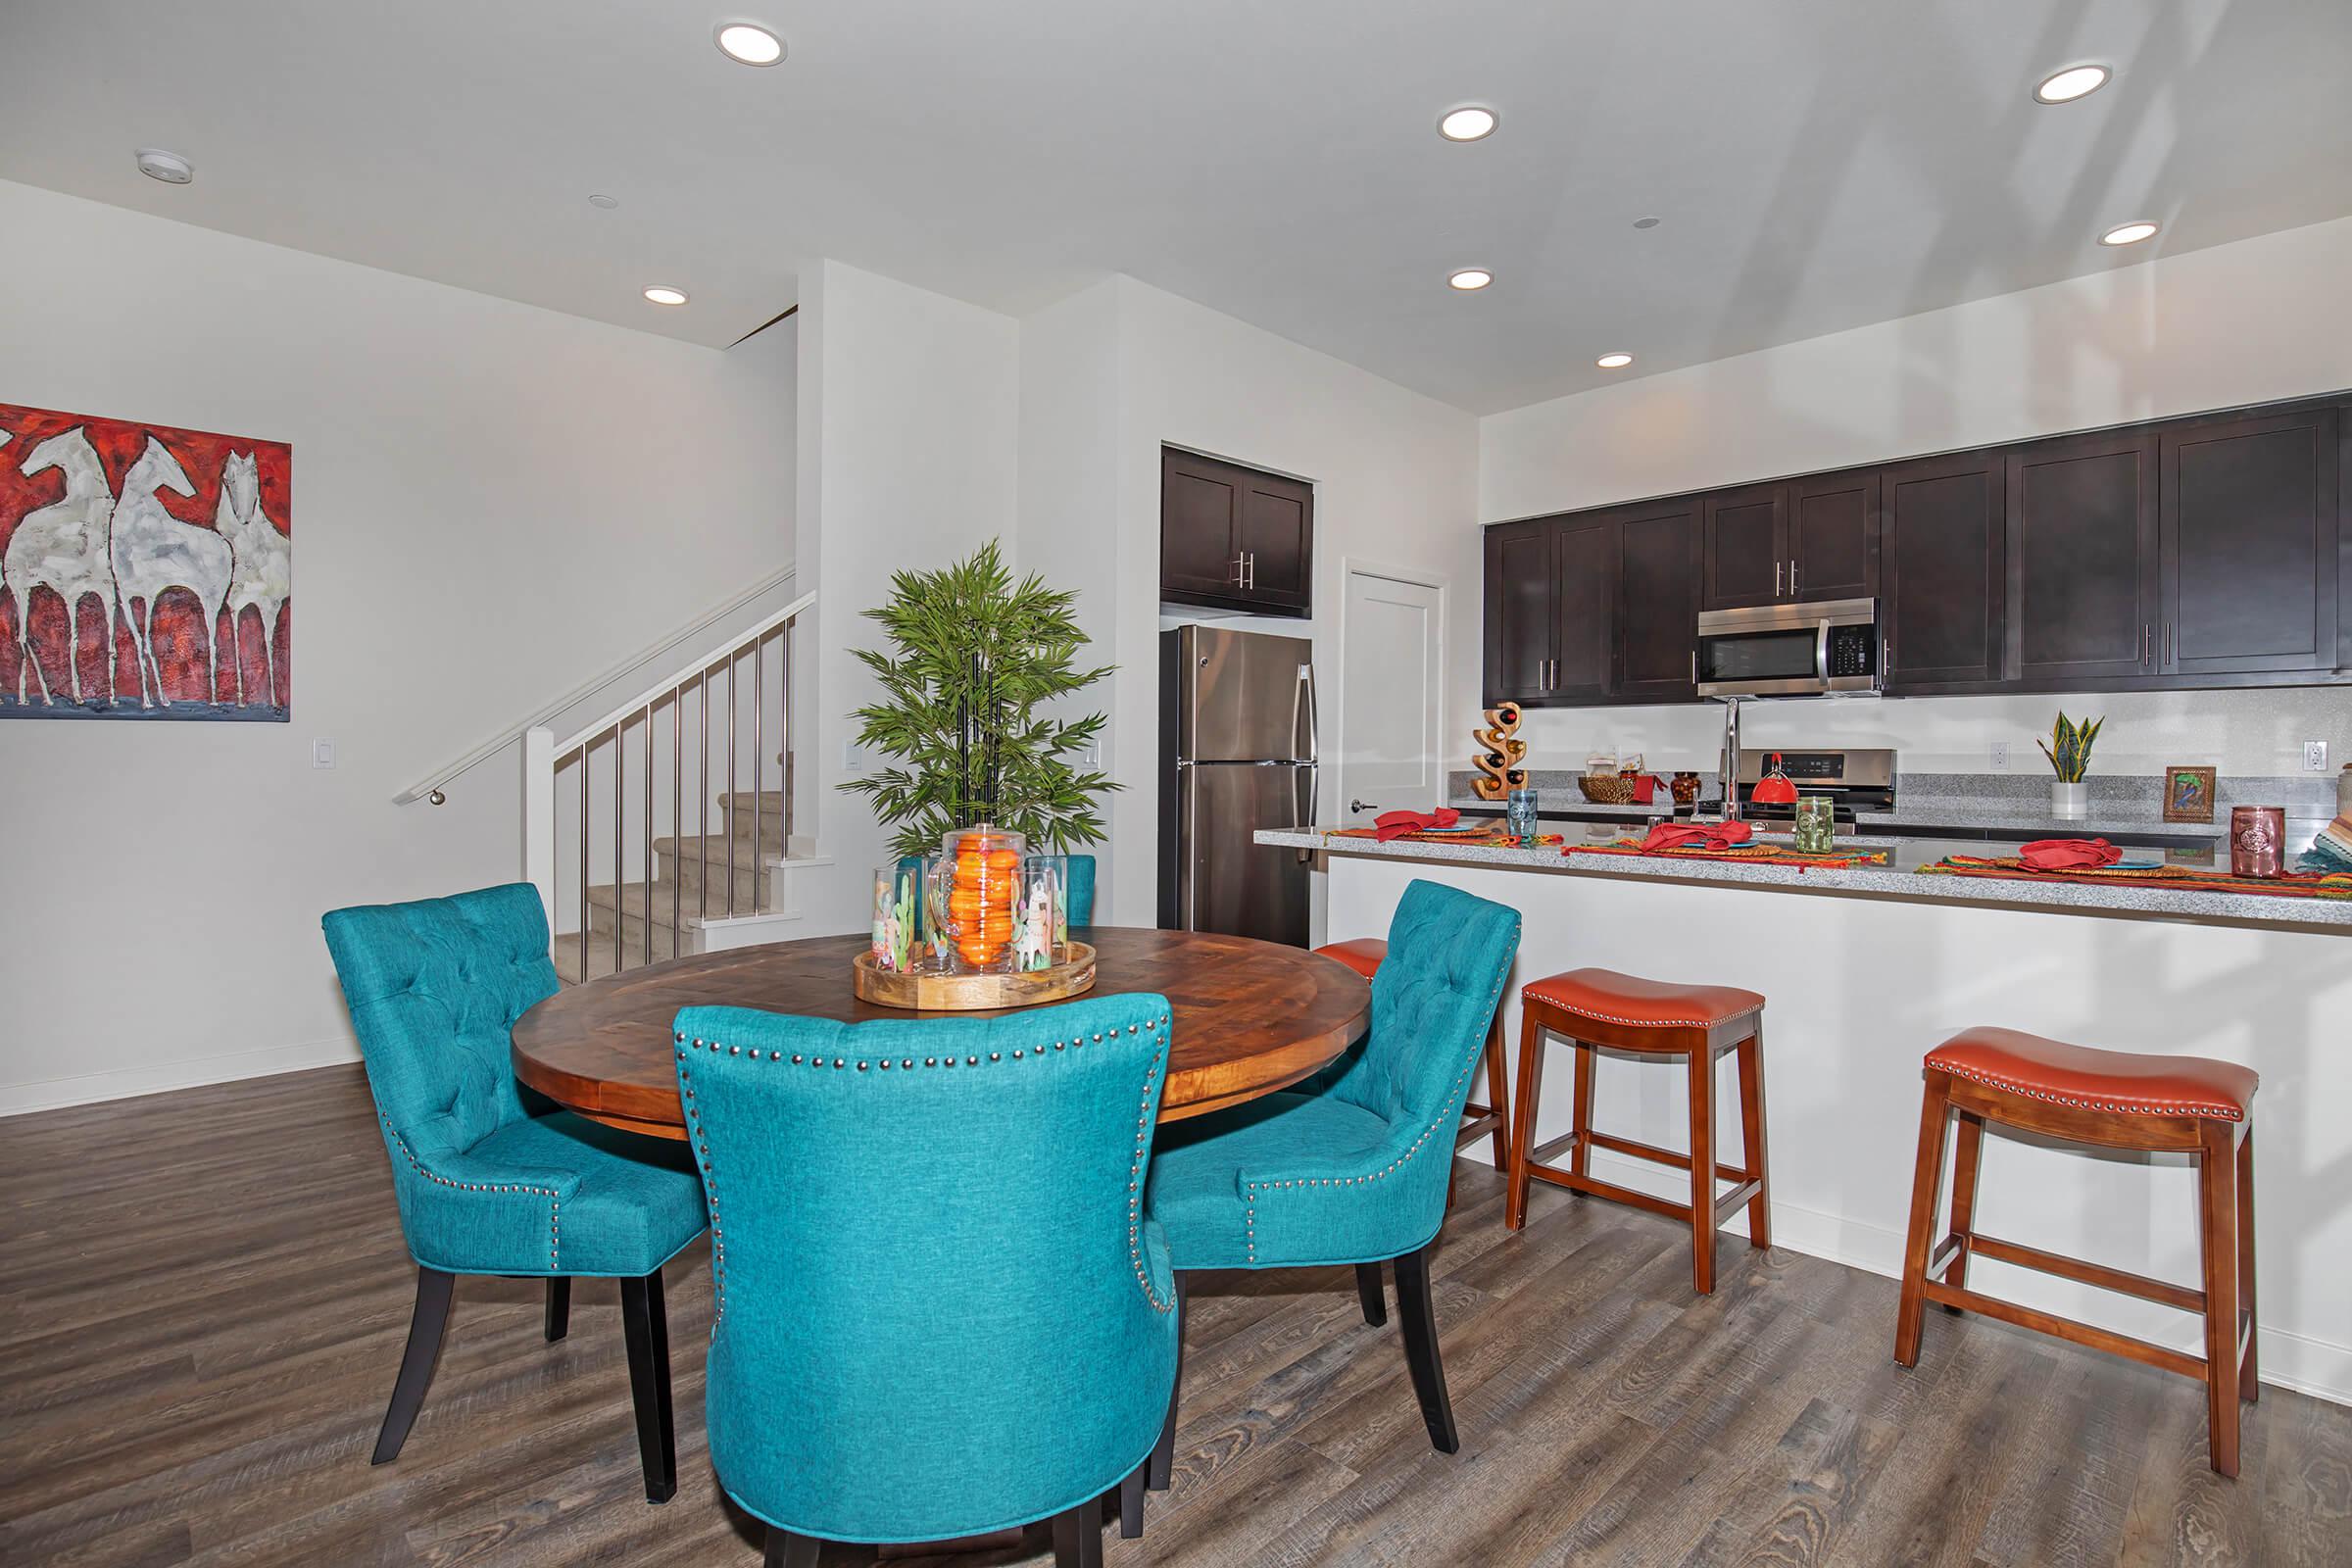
1819	163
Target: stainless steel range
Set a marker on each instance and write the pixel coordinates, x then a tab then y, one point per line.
1856	778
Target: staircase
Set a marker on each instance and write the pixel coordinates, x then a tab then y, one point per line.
634	923
665	828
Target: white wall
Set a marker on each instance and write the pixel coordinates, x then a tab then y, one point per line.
909	418
2259	320
490	502
1123	368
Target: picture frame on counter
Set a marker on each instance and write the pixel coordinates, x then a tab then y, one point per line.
2189	794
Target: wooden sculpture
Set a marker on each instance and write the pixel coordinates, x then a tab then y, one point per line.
1498	764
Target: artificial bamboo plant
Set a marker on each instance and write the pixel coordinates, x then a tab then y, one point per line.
2069	747
973	657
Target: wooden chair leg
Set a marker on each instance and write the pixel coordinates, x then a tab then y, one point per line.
1751	1137
2249	1376
1162	1464
1579	1157
427	1321
1368	1292
1927	1196
788	1550
1498	1095
1131	1505
2217	1191
559	1307
1078	1535
1702	1171
1968	1146
1523	1115
645	1325
1419	1314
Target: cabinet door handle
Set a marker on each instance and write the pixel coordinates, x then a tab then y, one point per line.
1239	577
1793	577
1251	557
2147	642
1693	667
1775	579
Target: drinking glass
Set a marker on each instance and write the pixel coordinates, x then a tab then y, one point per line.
897	902
1816	824
1519	813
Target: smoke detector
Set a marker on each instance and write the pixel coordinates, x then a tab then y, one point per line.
170	167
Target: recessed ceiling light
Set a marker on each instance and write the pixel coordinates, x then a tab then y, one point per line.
602	202
1615	361
1647	222
1470	122
750	44
1471	277
2075	81
663	294
170	167
2130	233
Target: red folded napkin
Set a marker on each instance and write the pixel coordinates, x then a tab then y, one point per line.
1697	836
1645	786
1397	824
2069	854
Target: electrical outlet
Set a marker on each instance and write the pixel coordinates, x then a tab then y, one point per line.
2000	755
2315	757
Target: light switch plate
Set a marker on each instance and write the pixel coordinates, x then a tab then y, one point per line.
322	754
2315	757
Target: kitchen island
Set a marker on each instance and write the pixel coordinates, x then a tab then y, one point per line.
1868	969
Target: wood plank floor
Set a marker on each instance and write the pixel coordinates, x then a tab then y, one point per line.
206	1294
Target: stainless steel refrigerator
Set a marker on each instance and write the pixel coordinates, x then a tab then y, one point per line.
1237	750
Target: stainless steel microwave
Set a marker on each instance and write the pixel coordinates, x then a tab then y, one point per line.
1790	650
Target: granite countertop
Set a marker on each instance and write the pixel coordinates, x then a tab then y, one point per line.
1898	877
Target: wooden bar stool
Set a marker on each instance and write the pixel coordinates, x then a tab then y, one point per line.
2121	1099
1363	955
1599	1007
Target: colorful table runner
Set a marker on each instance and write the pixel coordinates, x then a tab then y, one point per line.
1482	841
1750	854
2171	878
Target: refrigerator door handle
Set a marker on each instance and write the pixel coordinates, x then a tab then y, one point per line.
1188	780
1304	692
1304	800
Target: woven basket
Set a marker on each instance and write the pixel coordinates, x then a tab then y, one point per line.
1606	789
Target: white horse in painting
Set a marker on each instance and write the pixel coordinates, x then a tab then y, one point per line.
61	546
264	576
154	550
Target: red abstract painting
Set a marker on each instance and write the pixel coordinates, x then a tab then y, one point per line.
145	571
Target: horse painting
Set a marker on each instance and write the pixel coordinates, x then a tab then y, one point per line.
146	571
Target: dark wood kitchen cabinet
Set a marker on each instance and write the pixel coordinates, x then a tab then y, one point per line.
2211	550
2250	537
1944	554
1657	603
2082	559
1801	541
1235	538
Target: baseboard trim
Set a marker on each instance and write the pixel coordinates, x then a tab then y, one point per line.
2317	1367
124	1083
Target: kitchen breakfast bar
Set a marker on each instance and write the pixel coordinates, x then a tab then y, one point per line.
1866	969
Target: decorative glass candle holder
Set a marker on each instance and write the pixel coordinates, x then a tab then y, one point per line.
1041	921
1816	824
1056	869
897	916
981	870
1519	814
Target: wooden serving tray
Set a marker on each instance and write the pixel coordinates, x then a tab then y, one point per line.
973	993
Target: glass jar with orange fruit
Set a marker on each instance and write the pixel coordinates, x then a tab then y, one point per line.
979	874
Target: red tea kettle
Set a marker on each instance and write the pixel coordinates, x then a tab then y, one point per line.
1774	788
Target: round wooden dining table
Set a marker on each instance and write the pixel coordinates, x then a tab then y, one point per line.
1249	1018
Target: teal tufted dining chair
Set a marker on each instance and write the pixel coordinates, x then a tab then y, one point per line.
488	1182
926	1241
1352	1166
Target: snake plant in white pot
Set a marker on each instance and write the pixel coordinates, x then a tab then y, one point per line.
2069	752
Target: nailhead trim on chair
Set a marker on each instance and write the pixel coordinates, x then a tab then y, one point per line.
554	1200
718	1243
1249	1211
2121	1107
1641	1023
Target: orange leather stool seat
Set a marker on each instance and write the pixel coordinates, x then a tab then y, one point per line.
2115	1100
1363	955
2115	1083
1613	998
1600	1008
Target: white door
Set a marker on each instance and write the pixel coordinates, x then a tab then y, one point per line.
1393	680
